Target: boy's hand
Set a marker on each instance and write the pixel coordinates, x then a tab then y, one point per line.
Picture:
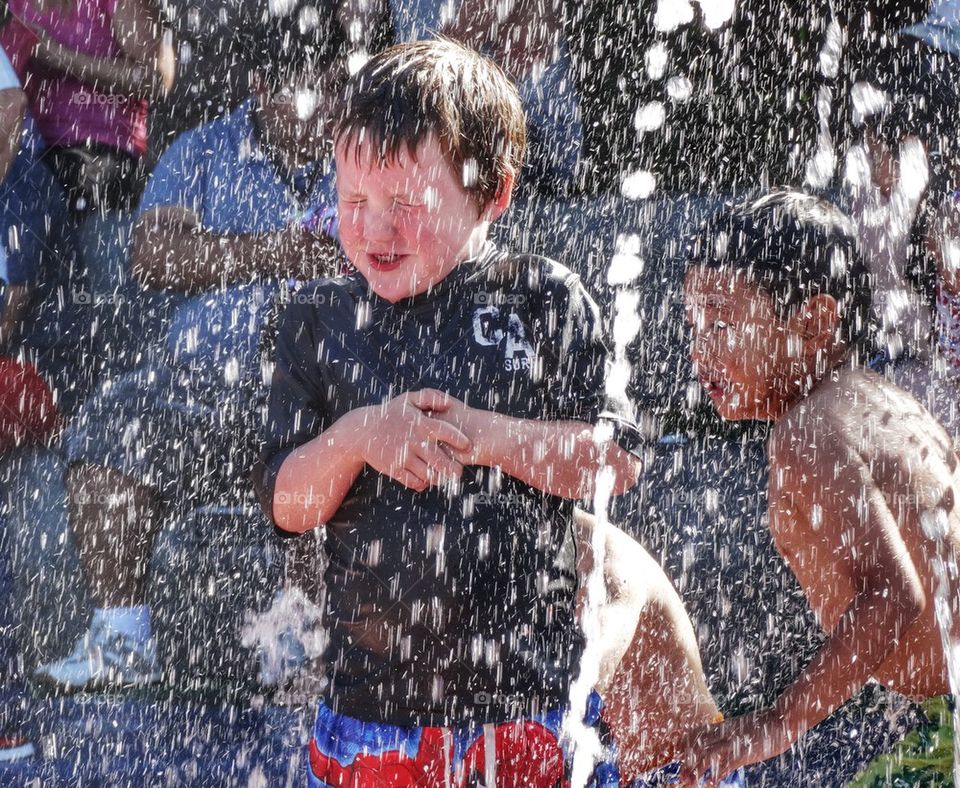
409	442
717	750
473	423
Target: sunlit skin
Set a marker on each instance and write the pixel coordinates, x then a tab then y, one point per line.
407	223
862	492
751	362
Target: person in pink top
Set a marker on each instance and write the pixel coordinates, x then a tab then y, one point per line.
92	73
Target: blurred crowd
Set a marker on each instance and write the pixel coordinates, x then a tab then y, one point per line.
166	184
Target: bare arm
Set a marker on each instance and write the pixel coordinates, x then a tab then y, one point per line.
857	530
316	477
397	439
170	250
558	457
886	604
889	595
146	69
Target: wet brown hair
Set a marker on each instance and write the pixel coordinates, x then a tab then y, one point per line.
410	91
793	245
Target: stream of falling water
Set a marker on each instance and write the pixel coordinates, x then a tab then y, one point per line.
585	743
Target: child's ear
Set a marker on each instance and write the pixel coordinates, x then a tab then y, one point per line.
820	316
499	204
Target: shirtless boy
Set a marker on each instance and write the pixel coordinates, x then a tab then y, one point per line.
863	480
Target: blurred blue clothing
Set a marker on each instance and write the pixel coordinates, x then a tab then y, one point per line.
39	252
941	27
29	210
220	172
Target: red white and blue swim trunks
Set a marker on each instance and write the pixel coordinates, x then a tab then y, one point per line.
520	754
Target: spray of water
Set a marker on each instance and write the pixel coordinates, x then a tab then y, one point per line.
584	742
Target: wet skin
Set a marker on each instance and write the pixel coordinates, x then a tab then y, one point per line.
906	473
862	503
873	439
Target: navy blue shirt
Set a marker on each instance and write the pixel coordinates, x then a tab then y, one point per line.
437	602
28	199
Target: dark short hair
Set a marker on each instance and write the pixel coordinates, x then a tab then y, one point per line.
794	246
410	91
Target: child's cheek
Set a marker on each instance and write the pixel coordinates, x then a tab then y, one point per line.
417	226
347	230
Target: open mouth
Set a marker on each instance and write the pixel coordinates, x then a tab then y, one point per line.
385	262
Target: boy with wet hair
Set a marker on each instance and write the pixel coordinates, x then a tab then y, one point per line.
435	410
863	481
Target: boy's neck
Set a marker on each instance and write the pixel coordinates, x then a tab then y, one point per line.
835	364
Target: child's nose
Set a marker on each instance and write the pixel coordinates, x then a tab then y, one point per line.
379	225
700	350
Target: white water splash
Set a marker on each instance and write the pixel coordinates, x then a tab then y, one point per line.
650	116
867	101
584	742
671	14
679	89
638	185
716	13
626	264
291	620
832	50
655	60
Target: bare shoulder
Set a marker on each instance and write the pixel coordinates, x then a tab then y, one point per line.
856	433
858	408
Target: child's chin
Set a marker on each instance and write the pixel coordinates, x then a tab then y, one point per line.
389	291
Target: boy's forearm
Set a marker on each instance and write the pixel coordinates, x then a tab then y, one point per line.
858	645
315	477
112	75
558	457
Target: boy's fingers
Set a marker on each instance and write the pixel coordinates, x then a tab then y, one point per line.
444	432
463	457
416	466
407	479
441	462
431	399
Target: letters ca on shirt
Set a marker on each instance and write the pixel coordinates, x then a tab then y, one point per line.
498	325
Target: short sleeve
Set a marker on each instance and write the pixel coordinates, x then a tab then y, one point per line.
580	366
295	410
180	175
